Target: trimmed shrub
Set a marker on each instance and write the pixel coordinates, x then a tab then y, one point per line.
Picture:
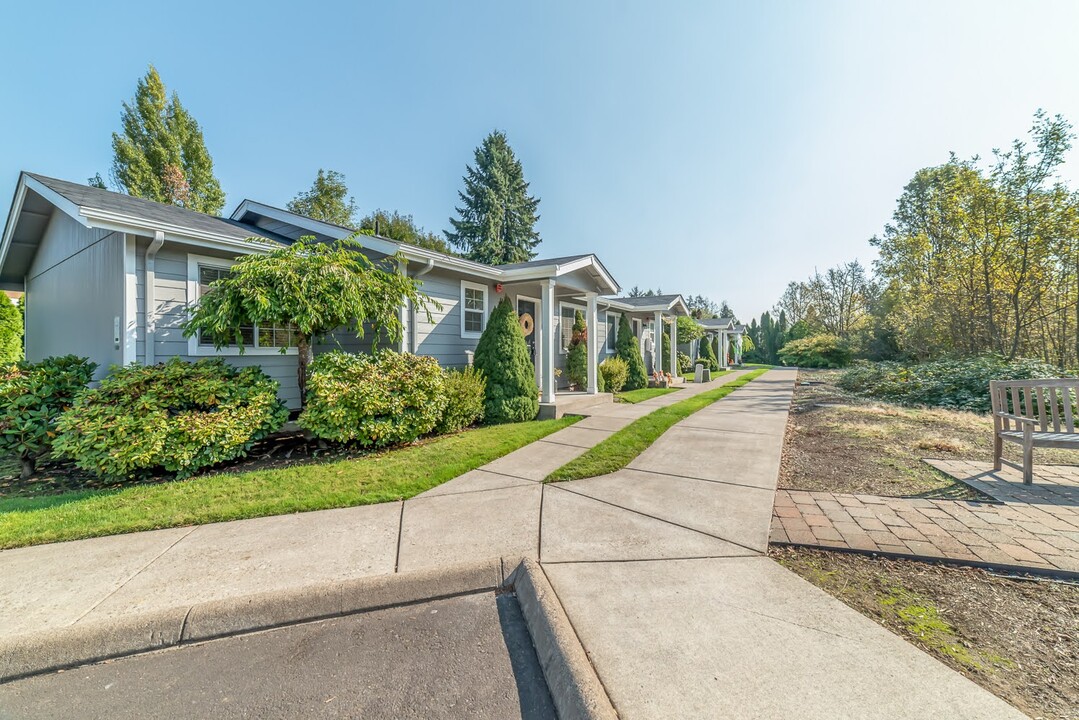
629	349
377	400
501	355
817	351
685	363
11	321
954	384
705	356
716	352
177	416
577	358
665	353
32	398
613	370
464	400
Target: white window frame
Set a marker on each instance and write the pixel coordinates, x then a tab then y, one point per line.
195	348
576	307
610	344
466	285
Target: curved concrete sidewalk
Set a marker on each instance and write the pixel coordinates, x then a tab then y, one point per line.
660	569
61	584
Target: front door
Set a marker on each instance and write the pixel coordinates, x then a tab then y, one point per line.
527	313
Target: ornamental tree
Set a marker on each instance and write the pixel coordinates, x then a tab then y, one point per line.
312	288
501	355
627	348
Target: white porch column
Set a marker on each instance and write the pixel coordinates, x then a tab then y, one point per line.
402	267
674	345
738	349
592	322
547	342
724	348
657	344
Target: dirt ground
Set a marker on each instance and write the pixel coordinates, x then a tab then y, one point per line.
1017	638
838	442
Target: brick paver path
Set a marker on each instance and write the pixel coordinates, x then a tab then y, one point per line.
1027	527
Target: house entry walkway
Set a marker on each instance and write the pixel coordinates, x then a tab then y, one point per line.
660	568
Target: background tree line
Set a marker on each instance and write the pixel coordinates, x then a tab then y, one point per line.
979	258
160	154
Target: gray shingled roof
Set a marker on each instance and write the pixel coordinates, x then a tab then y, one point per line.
542	262
716	322
647	300
86	196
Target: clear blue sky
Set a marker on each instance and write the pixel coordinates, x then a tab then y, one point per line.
714	148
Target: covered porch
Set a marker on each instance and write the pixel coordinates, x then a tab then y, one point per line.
730	335
648	316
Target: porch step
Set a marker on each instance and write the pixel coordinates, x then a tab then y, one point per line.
574	404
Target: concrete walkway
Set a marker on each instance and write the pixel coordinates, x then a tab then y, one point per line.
660	568
489	512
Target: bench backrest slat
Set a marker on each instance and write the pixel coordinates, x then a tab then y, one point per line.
1054	407
1069	420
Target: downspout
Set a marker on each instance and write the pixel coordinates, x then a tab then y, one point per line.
414	340
150	297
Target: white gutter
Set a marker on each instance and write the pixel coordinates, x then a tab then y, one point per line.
150	296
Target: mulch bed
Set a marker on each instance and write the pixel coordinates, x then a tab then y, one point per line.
1017	638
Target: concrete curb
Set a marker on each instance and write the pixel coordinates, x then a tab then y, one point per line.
82	644
575	688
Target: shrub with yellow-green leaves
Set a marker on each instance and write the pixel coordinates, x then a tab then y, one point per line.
378	400
175	416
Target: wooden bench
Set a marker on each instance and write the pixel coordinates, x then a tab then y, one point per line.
1033	413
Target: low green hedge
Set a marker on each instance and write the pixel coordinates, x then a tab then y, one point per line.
176	416
378	400
818	351
955	384
32	398
464	400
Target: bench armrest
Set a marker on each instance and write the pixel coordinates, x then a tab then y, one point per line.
1016	418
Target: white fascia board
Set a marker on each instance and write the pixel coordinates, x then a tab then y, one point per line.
61	202
334	231
138	226
468	267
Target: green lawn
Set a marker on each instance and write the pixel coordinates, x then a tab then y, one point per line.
379	477
636	396
620	449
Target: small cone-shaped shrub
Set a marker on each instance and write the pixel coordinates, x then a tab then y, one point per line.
511	394
629	349
715	350
577	361
665	354
705	355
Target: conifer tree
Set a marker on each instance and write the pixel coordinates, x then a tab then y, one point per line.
327	200
664	363
629	349
496	221
501	355
160	154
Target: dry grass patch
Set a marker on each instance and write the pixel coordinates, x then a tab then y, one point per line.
1019	639
838	442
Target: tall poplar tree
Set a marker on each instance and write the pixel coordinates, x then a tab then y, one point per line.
496	221
160	153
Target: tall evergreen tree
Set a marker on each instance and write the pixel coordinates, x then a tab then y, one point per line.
327	200
160	153
496	221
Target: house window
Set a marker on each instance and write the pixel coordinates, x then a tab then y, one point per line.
611	321
473	309
255	339
566	317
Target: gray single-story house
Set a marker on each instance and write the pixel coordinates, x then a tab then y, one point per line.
110	277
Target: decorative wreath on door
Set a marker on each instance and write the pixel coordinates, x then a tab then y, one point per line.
527	324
